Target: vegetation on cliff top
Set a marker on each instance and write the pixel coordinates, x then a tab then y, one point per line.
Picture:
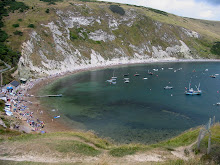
8	55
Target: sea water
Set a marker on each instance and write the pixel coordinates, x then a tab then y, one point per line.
140	111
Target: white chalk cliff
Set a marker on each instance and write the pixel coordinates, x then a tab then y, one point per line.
101	39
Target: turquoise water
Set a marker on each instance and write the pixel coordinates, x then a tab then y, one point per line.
139	111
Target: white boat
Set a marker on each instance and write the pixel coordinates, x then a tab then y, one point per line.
168	87
192	92
218	103
113	77
206	70
145	78
109	80
155	70
212	76
126	81
170	68
136	74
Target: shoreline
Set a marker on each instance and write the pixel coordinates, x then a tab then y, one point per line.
52	125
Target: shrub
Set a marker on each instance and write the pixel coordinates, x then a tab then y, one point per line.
158	11
98	42
17	32
15	25
13	5
20	19
73	36
3	36
51	2
86	0
215	49
117	9
47	11
31	26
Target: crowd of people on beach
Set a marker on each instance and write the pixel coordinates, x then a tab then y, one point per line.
18	104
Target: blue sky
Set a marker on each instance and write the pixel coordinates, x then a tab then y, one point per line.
201	9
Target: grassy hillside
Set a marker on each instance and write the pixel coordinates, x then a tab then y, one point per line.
208	29
136	30
84	147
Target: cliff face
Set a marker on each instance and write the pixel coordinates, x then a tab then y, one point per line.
83	36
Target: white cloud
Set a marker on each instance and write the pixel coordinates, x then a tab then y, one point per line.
206	14
185	8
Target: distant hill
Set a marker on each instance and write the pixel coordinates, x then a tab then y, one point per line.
57	36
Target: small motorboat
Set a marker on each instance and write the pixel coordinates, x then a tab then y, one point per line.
213	76
126	80
136	74
126	75
109	80
218	103
168	87
145	78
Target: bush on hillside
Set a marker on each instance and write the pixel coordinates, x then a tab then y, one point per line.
47	11
31	26
13	5
3	36
17	32
7	54
51	2
73	36
158	11
15	25
215	49
117	9
87	0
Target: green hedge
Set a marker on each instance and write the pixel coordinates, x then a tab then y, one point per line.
215	49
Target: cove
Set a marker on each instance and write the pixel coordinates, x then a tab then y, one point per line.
140	111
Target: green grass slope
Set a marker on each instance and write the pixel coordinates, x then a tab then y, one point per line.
65	145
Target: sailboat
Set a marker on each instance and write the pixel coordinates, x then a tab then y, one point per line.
192	92
113	77
150	73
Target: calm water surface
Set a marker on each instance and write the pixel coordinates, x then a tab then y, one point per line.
139	111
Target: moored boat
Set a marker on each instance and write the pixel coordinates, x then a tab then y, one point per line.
168	87
193	92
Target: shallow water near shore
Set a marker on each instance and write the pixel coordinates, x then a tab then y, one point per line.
140	111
